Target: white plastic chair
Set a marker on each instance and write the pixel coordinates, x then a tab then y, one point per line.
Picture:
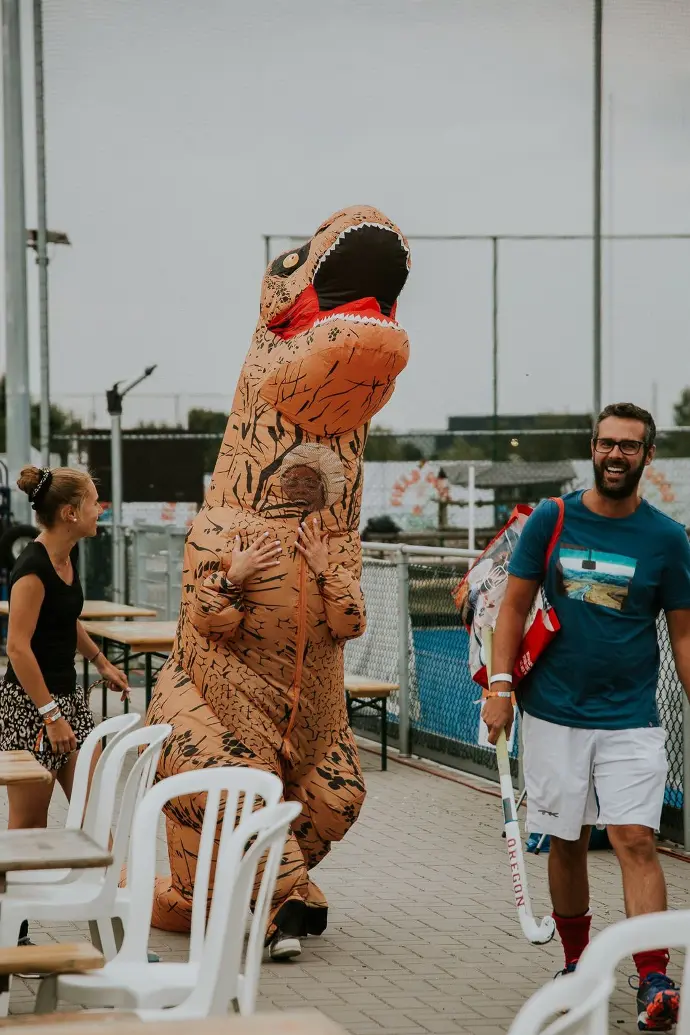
586	993
115	728
587	1008
94	895
640	934
214	974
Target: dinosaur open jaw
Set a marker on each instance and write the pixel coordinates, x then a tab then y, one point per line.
368	260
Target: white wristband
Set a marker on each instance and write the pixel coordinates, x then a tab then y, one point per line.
501	677
500	693
45	708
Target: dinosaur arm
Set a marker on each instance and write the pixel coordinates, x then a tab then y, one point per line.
343	602
218	607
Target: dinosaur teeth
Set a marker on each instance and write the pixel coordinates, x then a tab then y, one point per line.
353	318
357	226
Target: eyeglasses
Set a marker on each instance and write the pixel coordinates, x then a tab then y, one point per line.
627	446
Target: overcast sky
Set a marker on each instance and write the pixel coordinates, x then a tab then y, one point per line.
179	132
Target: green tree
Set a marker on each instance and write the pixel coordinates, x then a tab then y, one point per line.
383	444
681	410
465	449
157	425
208	422
62	422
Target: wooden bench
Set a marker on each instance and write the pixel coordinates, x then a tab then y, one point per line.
362	692
150	639
39	1022
56	958
21	767
47	963
307	1022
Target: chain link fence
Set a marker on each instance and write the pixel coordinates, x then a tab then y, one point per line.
670	703
444	704
443	700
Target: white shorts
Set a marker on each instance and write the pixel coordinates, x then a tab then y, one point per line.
577	777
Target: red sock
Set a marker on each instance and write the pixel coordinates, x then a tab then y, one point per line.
574	933
653	962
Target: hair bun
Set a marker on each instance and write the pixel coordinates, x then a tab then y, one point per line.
28	479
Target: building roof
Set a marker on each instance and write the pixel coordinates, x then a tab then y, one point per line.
510	472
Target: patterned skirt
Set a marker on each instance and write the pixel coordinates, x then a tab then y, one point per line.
21	725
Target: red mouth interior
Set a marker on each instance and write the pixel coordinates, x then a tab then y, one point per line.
305	311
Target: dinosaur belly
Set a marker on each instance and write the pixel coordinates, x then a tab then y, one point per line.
282	664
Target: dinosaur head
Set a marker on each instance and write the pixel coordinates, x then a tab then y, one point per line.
323	361
327	323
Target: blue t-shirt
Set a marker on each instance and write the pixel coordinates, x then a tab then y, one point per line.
608	579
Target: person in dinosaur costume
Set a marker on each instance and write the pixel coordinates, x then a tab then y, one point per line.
272	562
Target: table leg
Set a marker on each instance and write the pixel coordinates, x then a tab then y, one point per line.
384	735
104	691
126	668
148	668
4	978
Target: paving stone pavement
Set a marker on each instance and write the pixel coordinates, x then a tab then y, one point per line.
423	936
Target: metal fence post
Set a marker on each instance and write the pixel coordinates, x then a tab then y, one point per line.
471	501
403	573
686	774
169	575
18	409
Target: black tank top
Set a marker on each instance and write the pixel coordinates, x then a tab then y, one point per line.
54	642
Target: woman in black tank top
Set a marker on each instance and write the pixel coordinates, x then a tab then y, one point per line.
42	708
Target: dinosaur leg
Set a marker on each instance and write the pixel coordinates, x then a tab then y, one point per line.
200	739
331	792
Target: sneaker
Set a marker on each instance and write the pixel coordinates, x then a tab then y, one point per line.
568	969
284	946
658	1000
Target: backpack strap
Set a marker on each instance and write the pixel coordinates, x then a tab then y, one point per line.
557	529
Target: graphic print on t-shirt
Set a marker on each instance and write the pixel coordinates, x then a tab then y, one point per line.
595	576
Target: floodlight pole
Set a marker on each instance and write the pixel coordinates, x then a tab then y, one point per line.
114	399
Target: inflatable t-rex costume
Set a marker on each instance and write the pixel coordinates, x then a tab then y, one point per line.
255	677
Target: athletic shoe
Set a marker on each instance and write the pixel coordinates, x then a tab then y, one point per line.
284	946
658	1000
568	969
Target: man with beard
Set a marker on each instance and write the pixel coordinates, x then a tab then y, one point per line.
593	748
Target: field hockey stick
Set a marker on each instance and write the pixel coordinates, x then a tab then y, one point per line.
538	933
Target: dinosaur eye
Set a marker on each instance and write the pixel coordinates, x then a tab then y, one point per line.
286	264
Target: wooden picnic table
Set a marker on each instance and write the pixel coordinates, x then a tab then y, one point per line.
41	849
306	1022
49	849
21	767
101	610
150	639
362	692
98	610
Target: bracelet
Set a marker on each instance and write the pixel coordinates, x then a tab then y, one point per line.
500	693
45	708
91	660
53	717
501	677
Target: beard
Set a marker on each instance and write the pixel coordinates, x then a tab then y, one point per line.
625	484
